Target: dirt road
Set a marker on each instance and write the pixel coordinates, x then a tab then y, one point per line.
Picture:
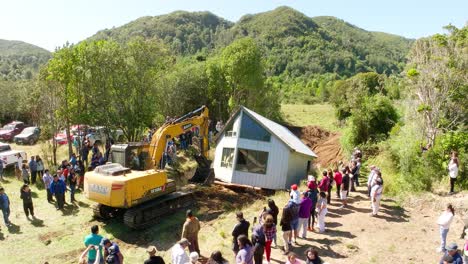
407	234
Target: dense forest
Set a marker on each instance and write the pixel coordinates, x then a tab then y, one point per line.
20	60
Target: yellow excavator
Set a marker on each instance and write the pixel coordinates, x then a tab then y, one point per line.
135	182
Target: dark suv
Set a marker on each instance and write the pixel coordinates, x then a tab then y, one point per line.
9	131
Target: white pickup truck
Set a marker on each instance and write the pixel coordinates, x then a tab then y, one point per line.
9	156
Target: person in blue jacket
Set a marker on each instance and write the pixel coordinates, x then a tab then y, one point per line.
58	188
5	206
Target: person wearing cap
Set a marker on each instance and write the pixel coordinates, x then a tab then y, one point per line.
94	239
58	188
452	251
294	194
304	213
376	194
178	253
153	259
190	231
112	252
241	228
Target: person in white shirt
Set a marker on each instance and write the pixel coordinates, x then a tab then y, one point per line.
453	170
19	165
444	221
47	179
376	193
371	178
179	256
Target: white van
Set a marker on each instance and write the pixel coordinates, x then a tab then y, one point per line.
9	156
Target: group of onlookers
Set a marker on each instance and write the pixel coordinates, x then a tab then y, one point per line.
451	253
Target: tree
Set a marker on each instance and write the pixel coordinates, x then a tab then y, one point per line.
438	81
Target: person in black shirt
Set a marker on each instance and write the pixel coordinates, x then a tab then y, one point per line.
27	201
153	259
241	228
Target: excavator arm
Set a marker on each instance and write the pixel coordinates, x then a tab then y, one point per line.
158	145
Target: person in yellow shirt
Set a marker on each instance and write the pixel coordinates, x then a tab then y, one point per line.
190	231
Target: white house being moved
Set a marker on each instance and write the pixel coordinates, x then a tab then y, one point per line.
253	150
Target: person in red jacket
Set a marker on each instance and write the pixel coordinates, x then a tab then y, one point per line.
338	179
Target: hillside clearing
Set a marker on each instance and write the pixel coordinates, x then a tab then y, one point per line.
322	115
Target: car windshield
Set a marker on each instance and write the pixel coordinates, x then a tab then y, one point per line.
28	130
8	127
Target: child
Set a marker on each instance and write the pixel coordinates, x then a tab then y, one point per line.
27	201
25	173
292	259
294	194
322	211
5	206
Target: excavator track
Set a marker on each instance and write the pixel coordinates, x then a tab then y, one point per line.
145	215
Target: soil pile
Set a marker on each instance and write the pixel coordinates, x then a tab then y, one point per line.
324	143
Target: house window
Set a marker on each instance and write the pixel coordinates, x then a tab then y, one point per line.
252	161
252	130
227	158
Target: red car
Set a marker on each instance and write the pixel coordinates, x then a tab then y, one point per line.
61	137
9	131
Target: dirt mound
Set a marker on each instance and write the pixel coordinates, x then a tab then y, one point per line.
324	143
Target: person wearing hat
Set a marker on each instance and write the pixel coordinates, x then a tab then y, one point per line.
190	231
452	251
112	252
294	194
376	194
304	213
153	259
178	254
58	188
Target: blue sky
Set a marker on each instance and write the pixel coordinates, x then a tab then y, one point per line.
51	23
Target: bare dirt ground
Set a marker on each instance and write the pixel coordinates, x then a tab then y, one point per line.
323	142
400	234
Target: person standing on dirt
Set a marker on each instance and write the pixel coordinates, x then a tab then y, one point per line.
338	180
324	182
58	188
345	188
322	211
304	213
444	221
241	228
371	178
376	194
94	239
453	170
285	223
295	220
47	179
294	194
33	169
190	231
312	193
25	195
273	211
269	228
5	206
18	166
258	241
330	185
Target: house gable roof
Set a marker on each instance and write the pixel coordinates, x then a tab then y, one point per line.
281	132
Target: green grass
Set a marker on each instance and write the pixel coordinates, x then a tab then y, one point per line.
322	115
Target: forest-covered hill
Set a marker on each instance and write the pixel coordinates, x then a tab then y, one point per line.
295	46
20	60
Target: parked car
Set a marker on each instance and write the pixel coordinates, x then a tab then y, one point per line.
9	156
100	135
61	137
9	131
29	135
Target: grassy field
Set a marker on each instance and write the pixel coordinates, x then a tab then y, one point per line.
322	115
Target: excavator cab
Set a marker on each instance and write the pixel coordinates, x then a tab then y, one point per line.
132	155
